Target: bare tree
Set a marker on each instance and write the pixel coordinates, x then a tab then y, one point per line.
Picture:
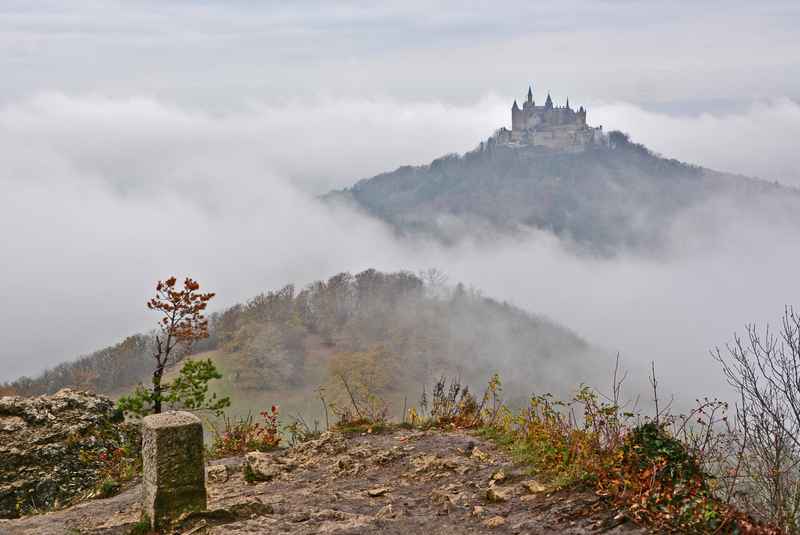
765	371
435	281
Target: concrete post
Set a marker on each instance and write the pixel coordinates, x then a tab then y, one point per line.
173	471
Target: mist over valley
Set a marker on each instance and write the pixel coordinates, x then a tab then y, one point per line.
140	142
484	216
639	254
387	334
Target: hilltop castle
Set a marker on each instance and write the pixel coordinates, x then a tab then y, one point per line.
557	127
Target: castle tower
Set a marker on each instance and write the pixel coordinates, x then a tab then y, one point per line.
517	117
548	104
530	95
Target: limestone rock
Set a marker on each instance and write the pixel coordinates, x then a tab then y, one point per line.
329	443
478	455
495	522
386	512
500	476
217	473
447	507
446	493
304	501
533	486
51	447
430	466
346	466
210	514
501	494
264	466
438	496
387	456
251	507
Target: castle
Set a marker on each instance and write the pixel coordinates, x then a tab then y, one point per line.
558	127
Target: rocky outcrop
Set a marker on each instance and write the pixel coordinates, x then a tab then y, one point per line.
408	481
53	448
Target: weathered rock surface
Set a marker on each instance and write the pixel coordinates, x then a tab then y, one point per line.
407	482
50	447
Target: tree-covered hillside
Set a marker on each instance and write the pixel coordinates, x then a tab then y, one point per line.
379	330
386	327
616	194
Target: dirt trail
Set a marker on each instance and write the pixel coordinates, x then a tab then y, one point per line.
405	482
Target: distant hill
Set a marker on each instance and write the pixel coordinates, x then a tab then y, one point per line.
617	194
384	332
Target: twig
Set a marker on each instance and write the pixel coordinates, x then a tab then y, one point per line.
352	399
654	382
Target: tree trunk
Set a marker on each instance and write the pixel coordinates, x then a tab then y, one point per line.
157	389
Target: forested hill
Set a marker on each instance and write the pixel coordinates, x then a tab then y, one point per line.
379	330
616	194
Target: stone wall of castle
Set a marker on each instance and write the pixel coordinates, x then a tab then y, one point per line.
562	139
558	127
544	119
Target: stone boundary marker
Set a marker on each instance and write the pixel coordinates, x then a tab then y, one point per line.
173	471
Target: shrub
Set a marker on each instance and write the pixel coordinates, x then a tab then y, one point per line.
116	467
239	435
365	410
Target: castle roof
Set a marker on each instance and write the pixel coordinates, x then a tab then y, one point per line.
548	99
515	107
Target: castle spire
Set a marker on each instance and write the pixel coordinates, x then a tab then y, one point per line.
567	102
515	107
530	95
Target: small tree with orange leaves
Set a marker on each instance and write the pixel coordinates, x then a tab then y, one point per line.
182	326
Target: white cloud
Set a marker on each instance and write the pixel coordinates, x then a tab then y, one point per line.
102	198
760	139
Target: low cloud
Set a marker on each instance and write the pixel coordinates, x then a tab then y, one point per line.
101	198
758	140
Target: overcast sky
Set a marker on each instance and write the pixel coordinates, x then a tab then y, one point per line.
223	53
141	140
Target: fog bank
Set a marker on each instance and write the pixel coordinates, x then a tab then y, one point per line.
100	198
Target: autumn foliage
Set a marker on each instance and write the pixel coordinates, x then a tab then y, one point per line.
235	436
182	326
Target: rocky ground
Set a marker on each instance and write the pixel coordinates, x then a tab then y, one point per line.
51	446
408	481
